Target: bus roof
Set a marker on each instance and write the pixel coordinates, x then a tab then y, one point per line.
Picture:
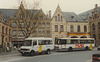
39	38
77	38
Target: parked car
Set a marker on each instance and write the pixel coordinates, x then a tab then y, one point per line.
98	48
96	57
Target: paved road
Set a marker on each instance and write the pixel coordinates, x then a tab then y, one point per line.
75	56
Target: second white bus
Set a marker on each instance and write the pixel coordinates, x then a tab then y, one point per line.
70	44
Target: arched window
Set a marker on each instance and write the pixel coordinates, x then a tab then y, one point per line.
83	37
74	37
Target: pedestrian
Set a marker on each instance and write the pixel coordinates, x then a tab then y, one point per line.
7	49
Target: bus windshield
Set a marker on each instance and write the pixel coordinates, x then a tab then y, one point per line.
27	43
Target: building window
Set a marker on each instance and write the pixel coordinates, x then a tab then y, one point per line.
21	16
20	33
9	31
61	27
55	18
6	39
85	28
93	27
14	24
47	24
3	29
39	24
58	17
14	32
71	28
95	15
9	39
99	25
78	28
39	33
48	32
43	33
94	36
34	33
21	25
61	18
56	28
98	36
41	17
2	40
43	24
6	30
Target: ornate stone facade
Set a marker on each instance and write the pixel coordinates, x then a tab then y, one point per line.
68	25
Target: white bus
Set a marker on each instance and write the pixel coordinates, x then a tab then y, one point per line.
32	46
70	44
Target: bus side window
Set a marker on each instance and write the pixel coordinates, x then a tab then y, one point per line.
34	42
81	41
40	42
48	42
92	41
68	41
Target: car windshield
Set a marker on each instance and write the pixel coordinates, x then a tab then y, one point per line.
27	43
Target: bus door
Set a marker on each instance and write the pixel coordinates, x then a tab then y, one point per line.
63	43
35	45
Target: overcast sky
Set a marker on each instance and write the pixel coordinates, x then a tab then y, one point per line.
77	6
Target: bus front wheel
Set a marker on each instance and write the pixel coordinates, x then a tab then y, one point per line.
32	53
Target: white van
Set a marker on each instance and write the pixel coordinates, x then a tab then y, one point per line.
32	46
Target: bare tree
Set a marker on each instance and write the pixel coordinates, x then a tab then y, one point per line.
27	19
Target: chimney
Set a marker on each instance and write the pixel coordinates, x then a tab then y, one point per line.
49	14
96	5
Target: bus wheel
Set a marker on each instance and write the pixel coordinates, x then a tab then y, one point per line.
48	51
32	53
70	49
86	48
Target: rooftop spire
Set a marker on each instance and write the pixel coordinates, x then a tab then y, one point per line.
21	2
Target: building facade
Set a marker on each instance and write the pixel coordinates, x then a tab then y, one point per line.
43	29
68	25
93	17
5	32
95	25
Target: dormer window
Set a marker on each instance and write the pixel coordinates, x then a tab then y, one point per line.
72	16
41	17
